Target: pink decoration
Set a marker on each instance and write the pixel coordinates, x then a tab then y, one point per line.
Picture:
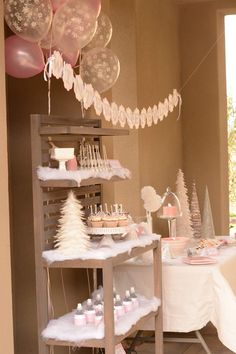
96	5
23	59
74	24
72	165
170	211
70	58
57	3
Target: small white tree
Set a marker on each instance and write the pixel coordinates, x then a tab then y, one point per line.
183	223
195	213
208	229
71	235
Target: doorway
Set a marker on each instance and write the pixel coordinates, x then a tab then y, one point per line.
230	54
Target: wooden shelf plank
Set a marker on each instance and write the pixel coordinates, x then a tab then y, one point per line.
69	183
75	130
100	263
100	343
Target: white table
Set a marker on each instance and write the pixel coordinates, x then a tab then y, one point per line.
193	295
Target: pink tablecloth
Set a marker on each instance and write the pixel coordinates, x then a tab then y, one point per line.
193	295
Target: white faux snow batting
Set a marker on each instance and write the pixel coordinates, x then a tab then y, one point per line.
47	173
63	328
102	252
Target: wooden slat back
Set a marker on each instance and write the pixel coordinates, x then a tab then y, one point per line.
53	198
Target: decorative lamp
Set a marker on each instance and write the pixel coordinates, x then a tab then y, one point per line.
170	210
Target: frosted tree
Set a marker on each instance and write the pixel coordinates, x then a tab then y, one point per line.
208	229
183	223
195	213
71	237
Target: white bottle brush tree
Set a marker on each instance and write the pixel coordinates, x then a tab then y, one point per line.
183	223
195	213
208	229
71	237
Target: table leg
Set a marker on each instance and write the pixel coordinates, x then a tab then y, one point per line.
157	266
203	343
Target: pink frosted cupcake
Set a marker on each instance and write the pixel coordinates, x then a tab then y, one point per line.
110	221
123	220
96	221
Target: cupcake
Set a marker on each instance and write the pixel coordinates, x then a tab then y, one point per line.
110	221
123	220
96	221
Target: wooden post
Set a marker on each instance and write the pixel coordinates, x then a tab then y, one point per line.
157	266
41	276
108	308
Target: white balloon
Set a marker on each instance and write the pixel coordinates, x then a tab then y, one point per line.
29	19
100	67
103	33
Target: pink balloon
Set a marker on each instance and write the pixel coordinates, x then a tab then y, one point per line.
96	4
57	3
74	23
23	59
70	57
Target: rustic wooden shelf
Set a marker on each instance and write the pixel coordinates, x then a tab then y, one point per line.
75	130
69	183
100	343
47	200
101	263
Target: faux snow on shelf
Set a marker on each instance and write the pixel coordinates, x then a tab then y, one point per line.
63	328
47	173
102	252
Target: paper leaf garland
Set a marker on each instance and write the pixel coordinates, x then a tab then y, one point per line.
86	94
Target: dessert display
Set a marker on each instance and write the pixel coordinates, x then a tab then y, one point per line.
117	217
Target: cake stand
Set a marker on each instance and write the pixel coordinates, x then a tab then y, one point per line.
115	232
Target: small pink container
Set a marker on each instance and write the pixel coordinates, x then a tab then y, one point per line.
115	315
79	320
135	303
98	320
72	164
90	316
128	305
120	311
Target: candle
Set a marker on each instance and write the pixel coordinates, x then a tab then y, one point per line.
170	211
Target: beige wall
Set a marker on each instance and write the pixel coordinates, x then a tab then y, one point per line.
158	73
204	108
6	326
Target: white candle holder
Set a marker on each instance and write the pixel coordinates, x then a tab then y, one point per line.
170	210
62	155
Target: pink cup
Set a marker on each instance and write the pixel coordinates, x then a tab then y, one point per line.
72	164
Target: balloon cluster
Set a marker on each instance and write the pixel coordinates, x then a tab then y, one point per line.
76	28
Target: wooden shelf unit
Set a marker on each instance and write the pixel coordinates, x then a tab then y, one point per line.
67	183
101	343
107	265
48	197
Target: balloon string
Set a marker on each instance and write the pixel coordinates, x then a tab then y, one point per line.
49	96
82	103
202	61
